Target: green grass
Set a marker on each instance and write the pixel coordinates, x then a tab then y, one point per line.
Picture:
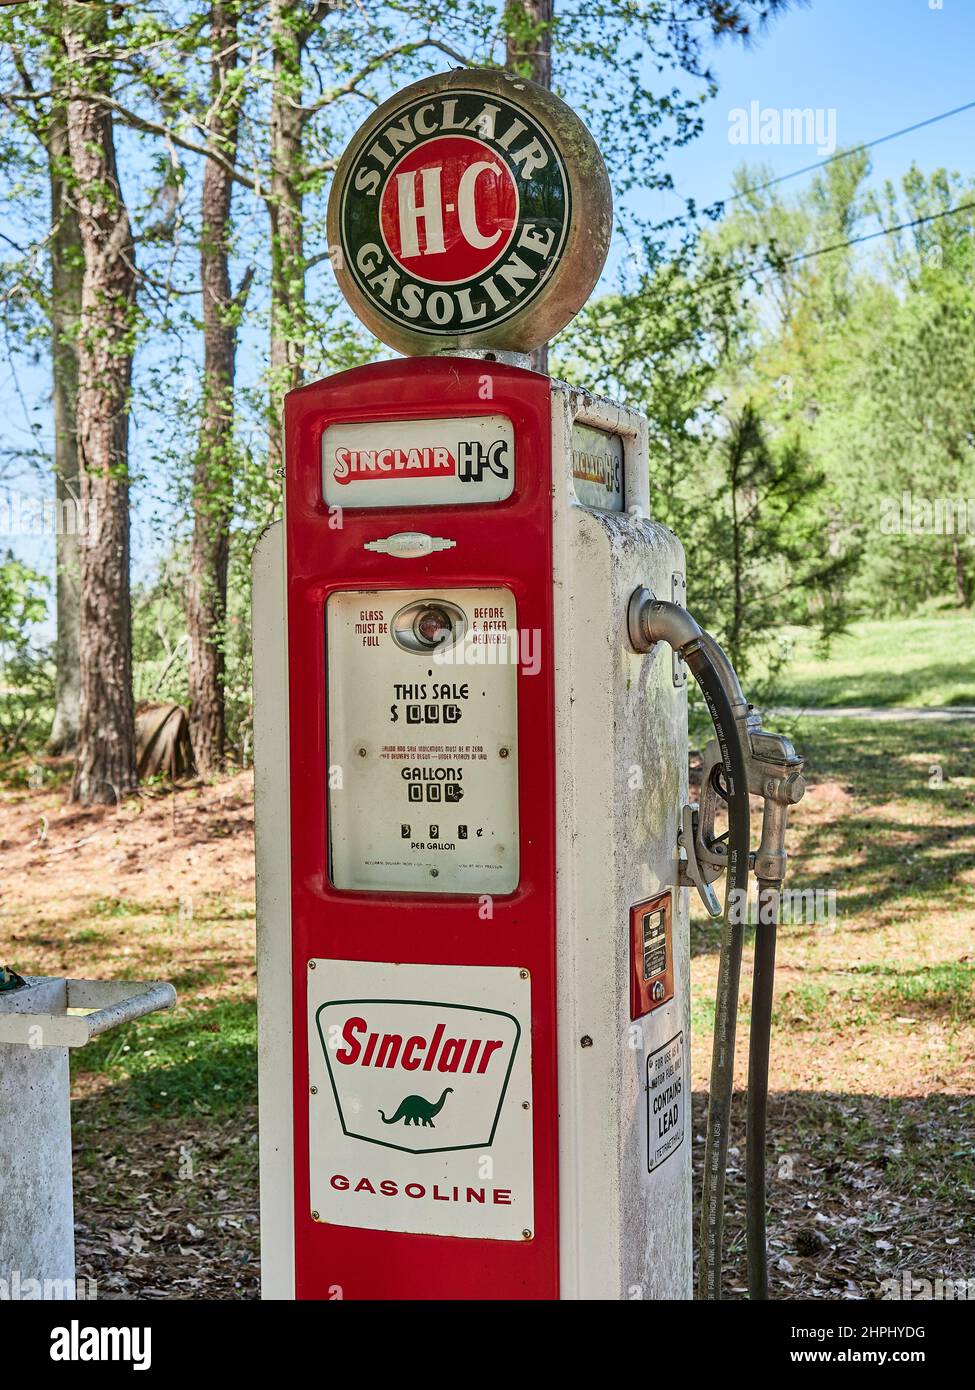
188	1062
923	661
899	855
118	907
945	990
902	840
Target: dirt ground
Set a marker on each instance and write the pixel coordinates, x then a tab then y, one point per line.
872	1123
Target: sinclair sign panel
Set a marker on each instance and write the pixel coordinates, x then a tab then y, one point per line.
465	213
420	1113
471	210
398	463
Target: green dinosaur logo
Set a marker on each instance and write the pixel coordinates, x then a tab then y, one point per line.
414	1110
376	1049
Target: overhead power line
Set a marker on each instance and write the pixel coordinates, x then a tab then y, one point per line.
836	246
845	154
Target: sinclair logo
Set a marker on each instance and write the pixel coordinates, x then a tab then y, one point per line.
468	462
454	212
415	1075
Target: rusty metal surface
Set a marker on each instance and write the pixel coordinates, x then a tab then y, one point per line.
162	739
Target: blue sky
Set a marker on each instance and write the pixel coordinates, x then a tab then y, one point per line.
879	64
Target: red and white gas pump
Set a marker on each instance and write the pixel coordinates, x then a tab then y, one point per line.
471	757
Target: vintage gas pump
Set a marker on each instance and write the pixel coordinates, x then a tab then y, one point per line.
474	836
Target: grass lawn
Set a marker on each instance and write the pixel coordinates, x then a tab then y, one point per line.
911	662
165	1120
872	1120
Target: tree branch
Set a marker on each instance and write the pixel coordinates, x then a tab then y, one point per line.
137	122
395	51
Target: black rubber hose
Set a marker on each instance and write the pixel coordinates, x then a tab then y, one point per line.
760	1032
729	971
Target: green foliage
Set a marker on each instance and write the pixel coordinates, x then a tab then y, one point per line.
159	642
868	358
769	557
795	396
26	679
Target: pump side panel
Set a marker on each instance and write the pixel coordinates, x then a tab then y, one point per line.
622	780
497	543
273	882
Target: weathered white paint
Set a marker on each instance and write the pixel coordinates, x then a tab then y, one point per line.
272	819
625	1232
36	1202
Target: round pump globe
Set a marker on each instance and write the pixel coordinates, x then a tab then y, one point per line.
472	210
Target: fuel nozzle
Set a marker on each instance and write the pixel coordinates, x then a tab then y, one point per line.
775	774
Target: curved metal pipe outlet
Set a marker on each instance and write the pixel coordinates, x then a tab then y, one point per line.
650	620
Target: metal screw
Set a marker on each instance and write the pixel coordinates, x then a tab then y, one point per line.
523	974
315	1216
585	1041
362	752
525	1105
434	873
314	1090
504	752
311	965
526	1234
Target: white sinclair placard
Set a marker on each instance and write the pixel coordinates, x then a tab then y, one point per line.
420	1118
406	463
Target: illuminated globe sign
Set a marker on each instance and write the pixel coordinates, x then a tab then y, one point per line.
471	210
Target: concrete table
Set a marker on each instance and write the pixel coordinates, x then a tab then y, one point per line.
39	1022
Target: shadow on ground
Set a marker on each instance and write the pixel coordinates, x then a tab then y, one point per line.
862	1189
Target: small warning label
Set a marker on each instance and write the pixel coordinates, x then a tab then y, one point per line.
665	1101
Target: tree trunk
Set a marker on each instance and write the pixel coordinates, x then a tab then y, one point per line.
528	51
962	594
66	277
528	43
206	606
286	216
105	768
